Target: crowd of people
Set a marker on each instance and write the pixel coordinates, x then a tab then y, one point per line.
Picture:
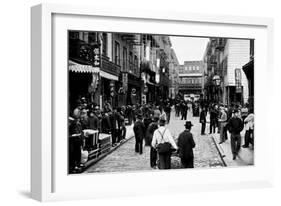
109	120
232	119
156	135
149	126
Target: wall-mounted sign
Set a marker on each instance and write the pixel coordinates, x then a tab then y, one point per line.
238	80
96	55
134	92
145	89
125	81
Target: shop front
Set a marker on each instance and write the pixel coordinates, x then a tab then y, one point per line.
82	82
109	83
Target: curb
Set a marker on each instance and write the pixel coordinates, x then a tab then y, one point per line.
92	162
221	153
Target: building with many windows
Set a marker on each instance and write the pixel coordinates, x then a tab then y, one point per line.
118	68
173	75
226	81
97	64
191	78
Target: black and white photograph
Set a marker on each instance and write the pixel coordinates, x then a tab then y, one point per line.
142	102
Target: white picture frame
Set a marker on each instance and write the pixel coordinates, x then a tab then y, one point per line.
49	179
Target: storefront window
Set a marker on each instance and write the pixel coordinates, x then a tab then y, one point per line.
104	44
125	59
117	53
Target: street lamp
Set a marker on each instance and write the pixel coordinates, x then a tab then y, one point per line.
217	82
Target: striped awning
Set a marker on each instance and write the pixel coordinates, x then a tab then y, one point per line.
81	68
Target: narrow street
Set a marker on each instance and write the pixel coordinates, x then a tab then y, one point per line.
124	158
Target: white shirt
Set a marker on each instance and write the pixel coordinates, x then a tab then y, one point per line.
249	121
167	137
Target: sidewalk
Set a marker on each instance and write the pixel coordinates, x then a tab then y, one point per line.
245	156
129	135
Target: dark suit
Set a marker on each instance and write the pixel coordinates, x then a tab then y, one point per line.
235	126
94	122
139	130
149	134
203	121
186	144
213	120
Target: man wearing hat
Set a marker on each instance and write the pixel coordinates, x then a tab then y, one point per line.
161	136
149	134
235	126
139	130
186	144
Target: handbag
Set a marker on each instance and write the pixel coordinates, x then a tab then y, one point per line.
163	148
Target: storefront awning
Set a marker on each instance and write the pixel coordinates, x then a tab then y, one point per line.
249	69
108	76
81	68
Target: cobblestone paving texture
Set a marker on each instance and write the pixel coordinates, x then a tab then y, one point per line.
124	158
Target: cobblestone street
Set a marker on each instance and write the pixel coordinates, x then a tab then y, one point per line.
124	158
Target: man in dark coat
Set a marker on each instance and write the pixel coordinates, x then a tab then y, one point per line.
94	122
235	126
167	110
213	119
121	124
203	121
139	131
149	134
184	108
114	126
186	144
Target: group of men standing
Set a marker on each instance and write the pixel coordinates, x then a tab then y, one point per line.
162	143
88	116
232	119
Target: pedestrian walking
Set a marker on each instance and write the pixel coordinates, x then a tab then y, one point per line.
213	120
167	110
156	112
186	144
114	126
146	121
222	122
177	108
203	120
139	131
164	143
249	129
149	133
235	126
121	124
184	108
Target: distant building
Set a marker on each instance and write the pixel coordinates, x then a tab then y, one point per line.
191	78
225	80
174	75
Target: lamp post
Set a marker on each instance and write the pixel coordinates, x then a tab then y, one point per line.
217	82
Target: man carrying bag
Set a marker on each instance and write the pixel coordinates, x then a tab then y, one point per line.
164	143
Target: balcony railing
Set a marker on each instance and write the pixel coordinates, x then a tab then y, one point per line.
190	86
220	43
109	66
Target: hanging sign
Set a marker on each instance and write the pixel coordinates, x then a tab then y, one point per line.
96	55
238	80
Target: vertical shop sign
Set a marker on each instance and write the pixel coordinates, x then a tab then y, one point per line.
238	78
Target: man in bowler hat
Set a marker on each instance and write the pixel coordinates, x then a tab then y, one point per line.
139	130
186	144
